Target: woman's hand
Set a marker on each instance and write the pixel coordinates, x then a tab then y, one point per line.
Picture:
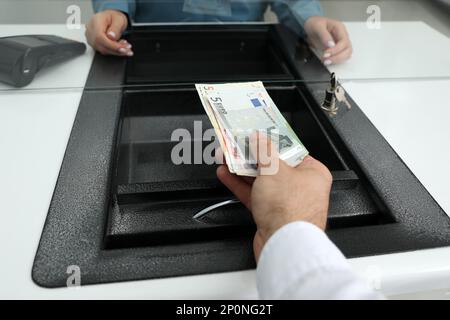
331	37
104	30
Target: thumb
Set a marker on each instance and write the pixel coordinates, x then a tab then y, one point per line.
311	163
265	153
118	24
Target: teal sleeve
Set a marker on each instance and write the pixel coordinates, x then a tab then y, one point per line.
126	6
294	13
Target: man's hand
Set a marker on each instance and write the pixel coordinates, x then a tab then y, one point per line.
104	30
331	37
287	195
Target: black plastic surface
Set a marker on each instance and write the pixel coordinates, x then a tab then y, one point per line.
121	217
23	56
216	55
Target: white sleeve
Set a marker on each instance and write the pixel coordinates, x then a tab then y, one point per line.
300	262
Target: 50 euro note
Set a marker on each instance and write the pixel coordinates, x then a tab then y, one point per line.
237	110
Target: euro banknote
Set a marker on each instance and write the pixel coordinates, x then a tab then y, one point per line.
236	111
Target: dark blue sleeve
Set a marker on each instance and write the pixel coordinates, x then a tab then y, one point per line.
294	13
126	6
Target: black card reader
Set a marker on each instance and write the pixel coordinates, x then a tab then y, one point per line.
21	57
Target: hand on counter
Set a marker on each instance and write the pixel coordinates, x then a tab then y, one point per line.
331	37
104	31
288	195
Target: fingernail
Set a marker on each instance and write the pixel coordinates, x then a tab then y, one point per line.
327	55
331	44
112	34
128	46
130	53
122	50
328	62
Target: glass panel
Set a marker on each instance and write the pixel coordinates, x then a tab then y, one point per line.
398	72
187	41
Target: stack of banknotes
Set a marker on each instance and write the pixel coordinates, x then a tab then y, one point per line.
237	111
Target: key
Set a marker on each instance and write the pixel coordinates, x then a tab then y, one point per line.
340	96
333	82
329	103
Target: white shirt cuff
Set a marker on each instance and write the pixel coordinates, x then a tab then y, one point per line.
299	261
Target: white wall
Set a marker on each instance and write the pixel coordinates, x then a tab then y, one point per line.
428	11
41	11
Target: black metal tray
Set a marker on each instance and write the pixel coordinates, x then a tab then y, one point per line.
153	199
192	54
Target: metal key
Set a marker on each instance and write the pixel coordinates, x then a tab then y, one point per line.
329	103
340	96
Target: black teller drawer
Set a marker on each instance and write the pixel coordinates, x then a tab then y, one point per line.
216	55
154	199
122	210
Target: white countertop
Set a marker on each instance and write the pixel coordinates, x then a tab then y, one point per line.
413	117
398	50
35	126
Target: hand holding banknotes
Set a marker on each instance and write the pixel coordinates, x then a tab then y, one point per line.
238	109
290	194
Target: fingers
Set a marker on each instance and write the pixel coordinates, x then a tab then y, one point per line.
331	36
118	48
265	153
311	163
343	48
338	30
104	31
219	156
240	188
325	37
248	180
341	45
107	51
117	25
106	46
341	57
127	48
308	161
101	39
220	159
